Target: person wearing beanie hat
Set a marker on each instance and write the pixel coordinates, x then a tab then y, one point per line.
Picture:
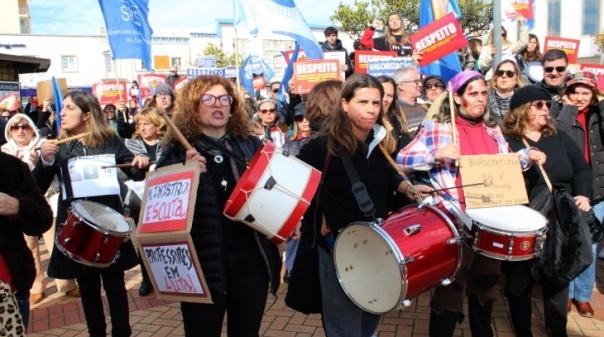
434	150
163	97
581	117
529	121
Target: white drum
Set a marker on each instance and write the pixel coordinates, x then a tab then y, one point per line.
512	233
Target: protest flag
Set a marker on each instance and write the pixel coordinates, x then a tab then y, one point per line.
128	29
288	72
278	17
246	75
56	92
431	10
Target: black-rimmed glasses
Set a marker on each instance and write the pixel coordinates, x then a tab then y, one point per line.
508	73
210	100
559	69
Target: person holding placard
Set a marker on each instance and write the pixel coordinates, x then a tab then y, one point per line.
509	48
528	120
333	44
98	145
240	265
436	149
394	39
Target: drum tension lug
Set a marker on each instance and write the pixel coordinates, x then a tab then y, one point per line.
404	304
270	183
413	229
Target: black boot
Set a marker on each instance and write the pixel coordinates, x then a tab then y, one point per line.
443	324
146	286
480	316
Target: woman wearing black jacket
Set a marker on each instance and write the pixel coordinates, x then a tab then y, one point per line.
238	262
82	114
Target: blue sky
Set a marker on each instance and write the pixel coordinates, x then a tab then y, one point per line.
83	17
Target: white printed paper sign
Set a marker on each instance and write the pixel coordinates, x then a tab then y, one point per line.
90	178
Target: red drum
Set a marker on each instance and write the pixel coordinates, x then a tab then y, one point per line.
92	234
512	233
273	193
383	267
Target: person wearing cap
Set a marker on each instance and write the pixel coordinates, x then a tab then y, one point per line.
434	150
163	97
506	79
300	136
528	120
581	117
555	70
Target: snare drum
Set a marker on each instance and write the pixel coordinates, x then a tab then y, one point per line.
383	267
92	234
512	233
273	193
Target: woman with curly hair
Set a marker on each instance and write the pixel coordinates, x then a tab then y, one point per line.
239	263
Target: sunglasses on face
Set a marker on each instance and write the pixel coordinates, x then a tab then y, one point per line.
22	126
210	100
275	90
435	85
5	117
268	111
508	73
559	69
110	110
539	104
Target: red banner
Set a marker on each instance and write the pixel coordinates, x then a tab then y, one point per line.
438	39
523	7
287	55
147	82
570	46
362	57
309	73
598	70
180	83
109	92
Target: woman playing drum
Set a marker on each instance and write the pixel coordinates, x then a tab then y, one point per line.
238	262
435	150
76	161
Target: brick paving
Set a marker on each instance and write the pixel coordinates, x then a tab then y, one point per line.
58	315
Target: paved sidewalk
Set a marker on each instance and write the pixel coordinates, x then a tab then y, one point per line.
58	315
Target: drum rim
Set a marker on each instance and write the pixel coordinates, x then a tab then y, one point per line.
396	253
526	209
97	227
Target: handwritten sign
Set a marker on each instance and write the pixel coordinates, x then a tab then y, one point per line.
598	70
523	7
499	177
362	57
109	92
439	39
309	73
388	67
174	269
570	46
167	205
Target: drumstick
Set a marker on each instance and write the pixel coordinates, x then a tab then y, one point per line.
68	139
181	138
127	165
453	126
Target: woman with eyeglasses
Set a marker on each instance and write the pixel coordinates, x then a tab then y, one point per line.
432	87
96	146
581	117
502	85
269	123
238	262
528	120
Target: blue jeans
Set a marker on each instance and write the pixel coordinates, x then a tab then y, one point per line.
23	301
290	253
582	286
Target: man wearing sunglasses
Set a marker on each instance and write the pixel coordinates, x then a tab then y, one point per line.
555	63
283	107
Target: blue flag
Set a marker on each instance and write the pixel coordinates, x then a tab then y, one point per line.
246	76
448	66
128	29
278	17
56	92
288	72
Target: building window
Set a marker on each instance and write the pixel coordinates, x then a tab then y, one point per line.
553	22
271	52
69	63
108	64
591	15
175	62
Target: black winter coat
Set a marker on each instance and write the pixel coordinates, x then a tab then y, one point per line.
61	266
567	122
207	231
34	218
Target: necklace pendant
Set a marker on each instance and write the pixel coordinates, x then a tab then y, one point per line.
218	159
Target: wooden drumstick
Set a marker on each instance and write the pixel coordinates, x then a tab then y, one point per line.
68	139
453	126
126	165
162	112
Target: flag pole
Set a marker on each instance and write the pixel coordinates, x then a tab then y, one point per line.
237	61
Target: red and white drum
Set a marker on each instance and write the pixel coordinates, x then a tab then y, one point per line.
512	233
92	234
273	193
383	267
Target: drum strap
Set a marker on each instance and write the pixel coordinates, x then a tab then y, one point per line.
240	159
358	188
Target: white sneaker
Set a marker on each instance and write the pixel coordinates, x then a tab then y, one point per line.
601	254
